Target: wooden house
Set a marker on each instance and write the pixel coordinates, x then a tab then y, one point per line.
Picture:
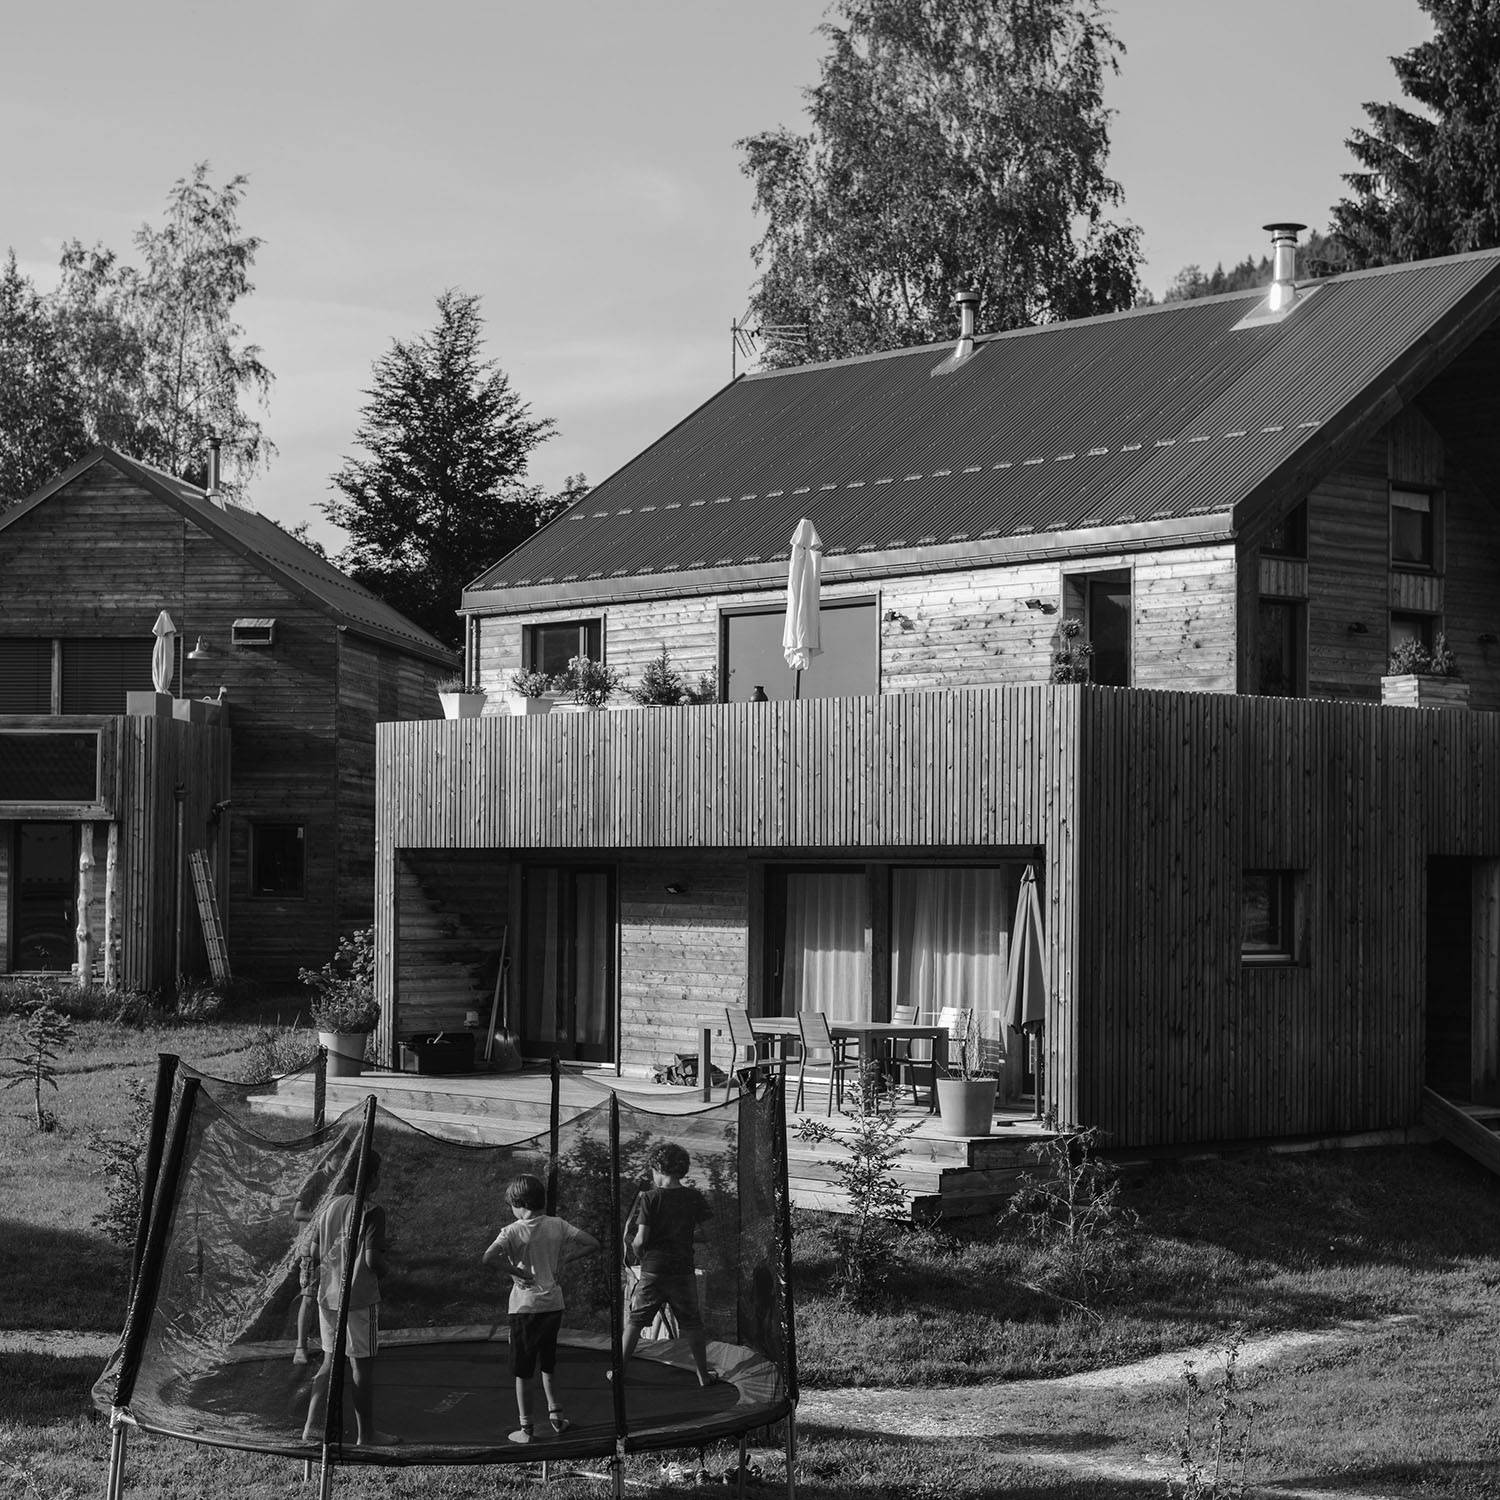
1270	900
272	781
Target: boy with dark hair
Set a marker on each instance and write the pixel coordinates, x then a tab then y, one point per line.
328	1234
531	1251
660	1231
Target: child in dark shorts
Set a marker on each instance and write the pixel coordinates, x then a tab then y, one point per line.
661	1229
532	1251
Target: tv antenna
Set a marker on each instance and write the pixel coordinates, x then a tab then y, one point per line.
748	339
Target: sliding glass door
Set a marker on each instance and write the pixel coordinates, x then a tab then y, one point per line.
821	958
567	971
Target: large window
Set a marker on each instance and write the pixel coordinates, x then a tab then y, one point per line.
278	860
549	648
96	672
1413	529
1278	649
753	665
45	767
25	675
1102	602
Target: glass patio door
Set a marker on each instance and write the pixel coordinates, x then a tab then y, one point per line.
567	971
46	898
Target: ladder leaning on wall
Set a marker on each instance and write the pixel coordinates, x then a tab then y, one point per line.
208	915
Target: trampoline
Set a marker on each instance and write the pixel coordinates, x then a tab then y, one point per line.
217	1308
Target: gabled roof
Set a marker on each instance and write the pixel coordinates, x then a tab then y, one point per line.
1161	423
263	543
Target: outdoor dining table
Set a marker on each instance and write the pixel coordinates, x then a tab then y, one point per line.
884	1034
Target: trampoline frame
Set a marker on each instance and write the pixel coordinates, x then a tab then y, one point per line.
177	1091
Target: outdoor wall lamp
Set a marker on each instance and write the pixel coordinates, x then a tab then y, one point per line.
1046	606
674	889
1489	638
895	617
1357	627
200	652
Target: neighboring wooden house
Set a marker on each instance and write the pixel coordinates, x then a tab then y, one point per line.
278	791
1266	915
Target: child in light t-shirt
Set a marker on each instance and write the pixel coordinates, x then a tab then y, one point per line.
532	1251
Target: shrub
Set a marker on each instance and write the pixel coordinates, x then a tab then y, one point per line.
1074	1212
865	1239
589	682
530	684
1073	654
1218	1471
277	1050
121	1166
661	682
46	1032
1413	657
344	988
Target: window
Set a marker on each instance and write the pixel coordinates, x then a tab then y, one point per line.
98	671
1408	629
549	648
1288	537
1278	653
49	767
1413	535
1269	916
25	675
1102	602
278	859
751	655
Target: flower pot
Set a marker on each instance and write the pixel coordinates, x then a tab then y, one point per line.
346	1052
966	1105
523	707
462	705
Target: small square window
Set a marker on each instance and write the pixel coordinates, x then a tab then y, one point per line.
1412	531
1288	537
1269	916
1413	630
549	648
278	860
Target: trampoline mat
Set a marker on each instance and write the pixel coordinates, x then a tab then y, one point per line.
449	1395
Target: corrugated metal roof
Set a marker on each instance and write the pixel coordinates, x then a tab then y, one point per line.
1164	413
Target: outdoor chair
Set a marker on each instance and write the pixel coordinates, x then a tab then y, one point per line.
956	1021
821	1049
750	1055
909	1057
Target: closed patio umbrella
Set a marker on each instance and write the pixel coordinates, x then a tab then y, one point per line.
1026	979
800	638
163	653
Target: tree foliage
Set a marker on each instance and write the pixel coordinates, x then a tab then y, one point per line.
1429	182
146	358
952	144
1316	257
440	491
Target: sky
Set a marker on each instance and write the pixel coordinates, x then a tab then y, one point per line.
574	164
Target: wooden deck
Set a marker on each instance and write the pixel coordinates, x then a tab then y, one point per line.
945	1175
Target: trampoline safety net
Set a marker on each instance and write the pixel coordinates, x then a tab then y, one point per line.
254	1248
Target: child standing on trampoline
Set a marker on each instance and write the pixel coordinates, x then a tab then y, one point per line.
329	1233
531	1251
660	1231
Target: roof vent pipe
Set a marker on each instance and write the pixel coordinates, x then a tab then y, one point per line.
966	302
211	489
1283	265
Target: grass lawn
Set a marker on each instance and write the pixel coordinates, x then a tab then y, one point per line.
1407	1241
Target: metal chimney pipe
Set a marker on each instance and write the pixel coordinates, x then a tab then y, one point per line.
213	467
967	304
1283	265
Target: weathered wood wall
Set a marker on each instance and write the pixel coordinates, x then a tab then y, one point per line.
966	628
1183	1041
900	772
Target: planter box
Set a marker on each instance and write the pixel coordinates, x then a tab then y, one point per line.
149	705
438	1052
462	705
1422	690
524	707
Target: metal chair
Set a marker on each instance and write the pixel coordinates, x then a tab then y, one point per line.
749	1055
821	1049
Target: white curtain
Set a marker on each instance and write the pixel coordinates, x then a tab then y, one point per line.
950	939
826	964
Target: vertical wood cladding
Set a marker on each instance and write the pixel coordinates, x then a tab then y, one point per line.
1185	1041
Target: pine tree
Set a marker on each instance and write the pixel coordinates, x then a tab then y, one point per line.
440	491
952	144
1430	178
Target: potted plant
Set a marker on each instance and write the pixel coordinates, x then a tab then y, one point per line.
1417	677
344	1008
662	685
966	1087
528	693
588	684
461	699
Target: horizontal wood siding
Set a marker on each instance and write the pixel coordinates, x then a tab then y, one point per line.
984	769
1185	792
